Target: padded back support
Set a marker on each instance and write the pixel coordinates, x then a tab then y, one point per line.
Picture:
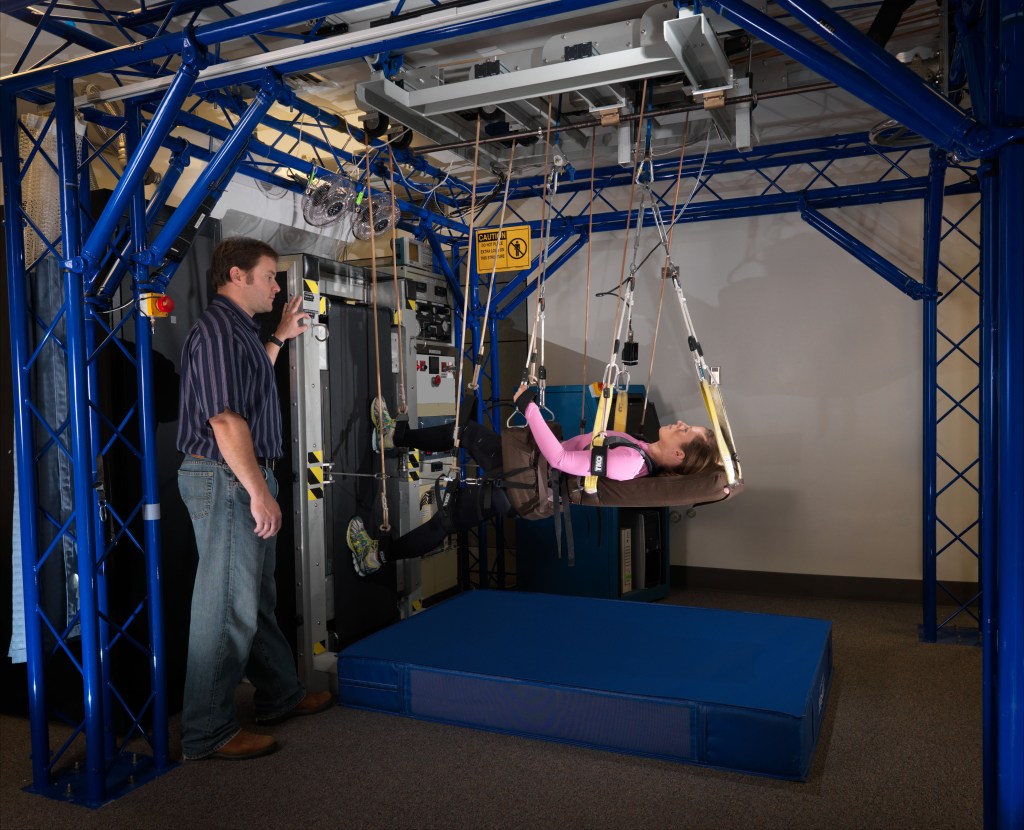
666	490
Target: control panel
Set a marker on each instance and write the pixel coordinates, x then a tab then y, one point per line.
431	302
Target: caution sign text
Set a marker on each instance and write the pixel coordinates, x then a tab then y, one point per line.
504	250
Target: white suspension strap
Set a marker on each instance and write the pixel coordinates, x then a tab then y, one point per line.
534	375
385	521
709	387
668	256
708	379
474	384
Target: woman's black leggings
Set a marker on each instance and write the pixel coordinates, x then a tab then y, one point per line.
471	505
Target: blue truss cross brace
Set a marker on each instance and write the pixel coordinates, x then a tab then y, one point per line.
875	261
211	182
179	160
46	22
427	232
95	246
824	22
325	118
782	155
281	157
959	136
521	281
210	34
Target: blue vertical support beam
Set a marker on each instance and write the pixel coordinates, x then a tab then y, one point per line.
988	623
131	180
929	357
81	449
139	224
1009	542
14	238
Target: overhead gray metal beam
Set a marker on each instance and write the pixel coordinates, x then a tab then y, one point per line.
537	82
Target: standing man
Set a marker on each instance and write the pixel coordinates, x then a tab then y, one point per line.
229	428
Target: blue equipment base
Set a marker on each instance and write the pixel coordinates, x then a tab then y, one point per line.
726	689
126	772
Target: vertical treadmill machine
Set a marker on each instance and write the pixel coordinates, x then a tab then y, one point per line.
332	377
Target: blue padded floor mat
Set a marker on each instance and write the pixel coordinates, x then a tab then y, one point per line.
727	689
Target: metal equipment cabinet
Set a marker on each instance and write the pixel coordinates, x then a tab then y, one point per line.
619	552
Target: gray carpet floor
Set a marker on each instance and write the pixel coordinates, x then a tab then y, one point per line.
901	748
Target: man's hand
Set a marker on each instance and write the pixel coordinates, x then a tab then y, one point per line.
266	513
294	321
234	440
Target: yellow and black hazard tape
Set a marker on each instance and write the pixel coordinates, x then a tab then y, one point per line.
312	297
314	475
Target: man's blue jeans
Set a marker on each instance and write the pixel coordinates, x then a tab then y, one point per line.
233	631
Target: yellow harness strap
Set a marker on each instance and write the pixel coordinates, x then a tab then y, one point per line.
715	406
597	438
621	409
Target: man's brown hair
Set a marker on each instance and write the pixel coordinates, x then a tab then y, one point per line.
237	252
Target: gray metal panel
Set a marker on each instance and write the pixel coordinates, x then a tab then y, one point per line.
314	595
695	45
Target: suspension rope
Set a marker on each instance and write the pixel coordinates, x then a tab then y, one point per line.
403	404
586	316
385	525
530	373
465	304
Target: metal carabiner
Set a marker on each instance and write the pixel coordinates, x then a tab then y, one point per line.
611	376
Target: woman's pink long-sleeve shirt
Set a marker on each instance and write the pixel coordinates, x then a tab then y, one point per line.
573	456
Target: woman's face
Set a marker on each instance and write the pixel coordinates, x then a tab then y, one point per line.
678	436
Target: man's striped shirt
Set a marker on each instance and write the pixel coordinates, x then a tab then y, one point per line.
224	366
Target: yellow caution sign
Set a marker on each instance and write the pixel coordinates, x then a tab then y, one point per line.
509	246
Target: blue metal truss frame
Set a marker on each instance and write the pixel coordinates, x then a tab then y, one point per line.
992	133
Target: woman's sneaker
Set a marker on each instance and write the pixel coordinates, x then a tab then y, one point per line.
365	556
382	423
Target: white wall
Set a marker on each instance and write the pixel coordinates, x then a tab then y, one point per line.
821	373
